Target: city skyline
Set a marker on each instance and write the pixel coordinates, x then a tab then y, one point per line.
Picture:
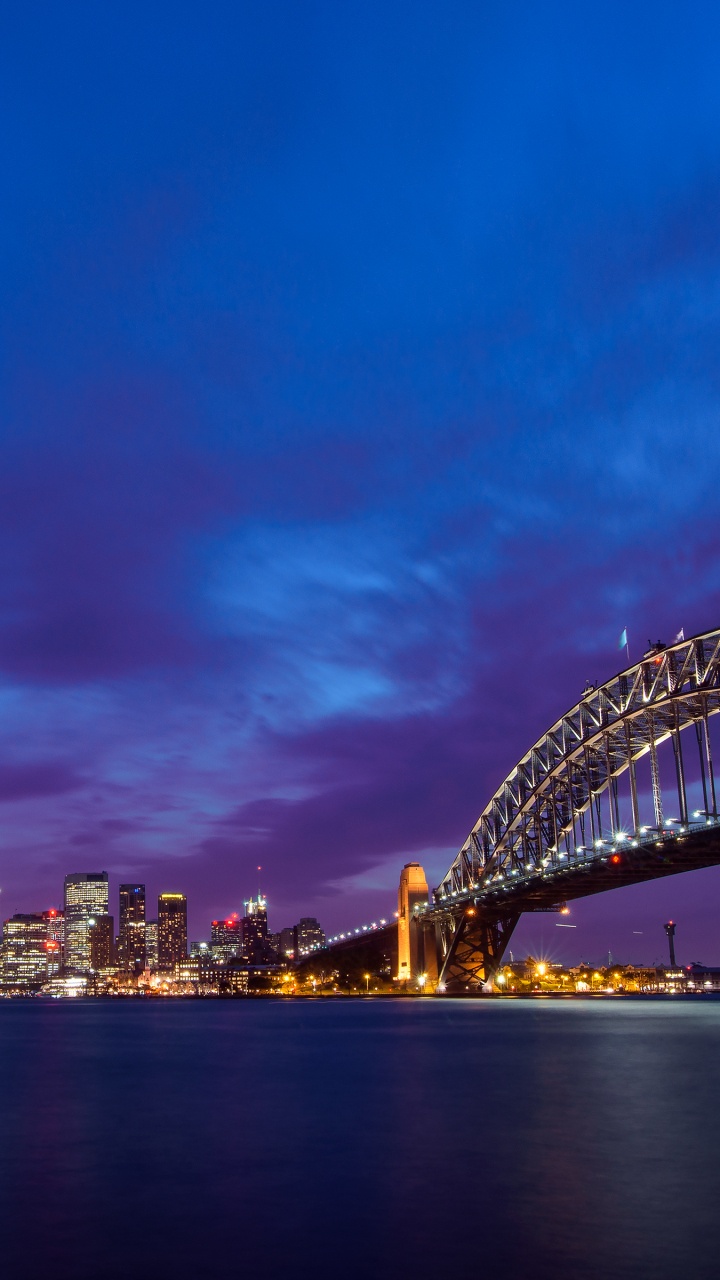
536	935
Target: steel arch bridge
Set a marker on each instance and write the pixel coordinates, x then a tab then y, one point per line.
615	793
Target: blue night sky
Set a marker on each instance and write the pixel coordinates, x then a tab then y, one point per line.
361	382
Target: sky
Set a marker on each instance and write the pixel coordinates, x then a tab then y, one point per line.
359	385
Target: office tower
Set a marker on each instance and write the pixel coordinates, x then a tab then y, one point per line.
287	944
172	929
226	939
151	944
254	928
131	937
54	925
86	896
25	952
309	935
101	941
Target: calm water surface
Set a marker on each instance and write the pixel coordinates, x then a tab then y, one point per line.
359	1138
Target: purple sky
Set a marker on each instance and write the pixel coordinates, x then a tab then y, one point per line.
360	385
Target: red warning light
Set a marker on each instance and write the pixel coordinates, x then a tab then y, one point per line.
615	859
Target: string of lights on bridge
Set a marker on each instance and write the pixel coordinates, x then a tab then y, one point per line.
670	828
358	933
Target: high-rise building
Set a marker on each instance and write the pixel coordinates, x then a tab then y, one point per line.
151	944
55	924
86	896
254	928
287	943
226	939
309	935
131	937
102	942
172	929
25	955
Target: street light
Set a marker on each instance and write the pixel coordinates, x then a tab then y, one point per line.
367	983
422	979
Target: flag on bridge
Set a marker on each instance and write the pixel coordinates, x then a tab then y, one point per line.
623	641
680	635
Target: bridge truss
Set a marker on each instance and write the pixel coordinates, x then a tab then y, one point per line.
614	793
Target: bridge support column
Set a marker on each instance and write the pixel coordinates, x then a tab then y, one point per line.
476	952
413	892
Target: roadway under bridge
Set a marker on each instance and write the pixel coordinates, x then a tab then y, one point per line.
621	789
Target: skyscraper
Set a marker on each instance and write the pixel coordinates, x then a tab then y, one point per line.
172	929
102	942
254	928
86	897
151	944
132	948
226	939
25	957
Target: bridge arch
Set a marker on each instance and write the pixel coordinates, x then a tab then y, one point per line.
549	806
570	811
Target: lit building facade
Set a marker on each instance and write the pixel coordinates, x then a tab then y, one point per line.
151	944
172	929
254	928
86	897
55	924
25	954
309	936
131	936
226	939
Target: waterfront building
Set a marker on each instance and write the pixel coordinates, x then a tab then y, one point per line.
86	897
131	936
310	936
235	979
200	970
101	940
25	952
172	929
151	944
226	939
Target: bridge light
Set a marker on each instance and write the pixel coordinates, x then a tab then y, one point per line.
615	858
470	911
599	844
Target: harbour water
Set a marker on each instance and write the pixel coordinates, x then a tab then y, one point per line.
201	1140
